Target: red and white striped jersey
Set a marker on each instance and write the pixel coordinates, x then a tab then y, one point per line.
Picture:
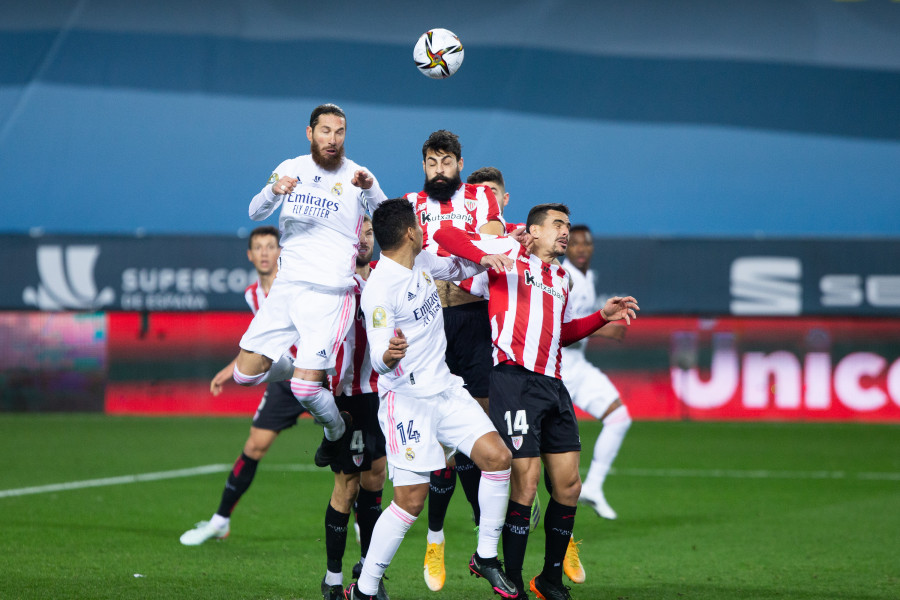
255	295
354	372
478	285
470	208
527	308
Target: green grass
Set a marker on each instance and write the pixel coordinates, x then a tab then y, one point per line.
706	511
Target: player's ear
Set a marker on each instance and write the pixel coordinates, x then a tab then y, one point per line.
309	131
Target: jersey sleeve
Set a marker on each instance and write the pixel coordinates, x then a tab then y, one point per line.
493	207
379	317
450	268
263	204
374	196
471	246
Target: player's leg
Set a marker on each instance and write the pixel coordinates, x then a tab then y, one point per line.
322	321
410	490
368	504
264	346
337	517
561	453
277	411
597	396
466	427
367	454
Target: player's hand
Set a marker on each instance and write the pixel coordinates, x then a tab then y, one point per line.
396	349
498	262
215	386
617	308
522	236
363	179
285	185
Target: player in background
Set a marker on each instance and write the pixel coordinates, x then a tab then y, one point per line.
530	405
424	409
591	389
358	474
277	411
445	201
323	197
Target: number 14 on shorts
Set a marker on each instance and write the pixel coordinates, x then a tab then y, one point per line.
410	434
519	424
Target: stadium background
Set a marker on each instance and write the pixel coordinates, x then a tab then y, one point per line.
738	162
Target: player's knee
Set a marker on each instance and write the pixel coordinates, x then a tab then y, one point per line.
374	478
247	380
619	418
569	491
497	458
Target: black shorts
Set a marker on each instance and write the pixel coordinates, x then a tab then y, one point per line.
278	409
469	346
367	442
533	413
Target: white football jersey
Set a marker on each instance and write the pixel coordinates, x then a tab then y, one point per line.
582	299
399	298
319	222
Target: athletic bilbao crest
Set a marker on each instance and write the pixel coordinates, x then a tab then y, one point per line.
516	441
67	280
357	459
471	204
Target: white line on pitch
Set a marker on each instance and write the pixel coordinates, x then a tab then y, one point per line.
123	479
755	474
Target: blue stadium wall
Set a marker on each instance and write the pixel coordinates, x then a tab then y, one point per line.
696	118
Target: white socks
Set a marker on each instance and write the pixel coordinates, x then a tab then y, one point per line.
435	537
493	498
389	530
320	404
281	370
615	426
218	521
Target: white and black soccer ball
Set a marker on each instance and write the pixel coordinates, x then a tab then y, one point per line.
438	53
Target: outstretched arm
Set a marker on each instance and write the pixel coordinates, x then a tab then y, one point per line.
615	309
472	247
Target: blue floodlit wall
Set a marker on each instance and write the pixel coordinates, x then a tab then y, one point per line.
649	118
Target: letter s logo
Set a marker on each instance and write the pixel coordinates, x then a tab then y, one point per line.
766	285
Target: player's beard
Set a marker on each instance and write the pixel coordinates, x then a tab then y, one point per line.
326	161
363	258
441	188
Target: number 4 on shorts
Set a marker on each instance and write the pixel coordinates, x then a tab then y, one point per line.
520	424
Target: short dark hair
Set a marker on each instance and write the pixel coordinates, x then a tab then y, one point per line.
263	230
443	140
580	227
486	175
391	220
538	213
325	109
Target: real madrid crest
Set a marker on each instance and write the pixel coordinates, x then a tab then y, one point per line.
427	277
338	189
410	455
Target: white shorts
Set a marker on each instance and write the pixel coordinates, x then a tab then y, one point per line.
422	432
294	313
590	388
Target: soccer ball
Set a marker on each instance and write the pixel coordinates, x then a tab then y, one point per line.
438	53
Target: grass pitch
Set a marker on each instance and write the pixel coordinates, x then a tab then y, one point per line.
706	511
